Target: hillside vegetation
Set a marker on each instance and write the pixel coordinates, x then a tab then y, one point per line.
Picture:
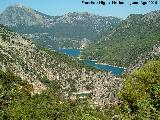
139	99
141	93
16	102
133	37
43	68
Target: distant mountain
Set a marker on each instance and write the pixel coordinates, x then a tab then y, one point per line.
134	37
68	30
19	15
43	68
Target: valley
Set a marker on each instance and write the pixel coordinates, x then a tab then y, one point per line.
79	66
42	68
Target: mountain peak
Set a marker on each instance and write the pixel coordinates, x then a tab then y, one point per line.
19	14
19	5
71	25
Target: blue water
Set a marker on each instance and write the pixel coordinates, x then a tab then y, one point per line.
75	52
70	52
115	70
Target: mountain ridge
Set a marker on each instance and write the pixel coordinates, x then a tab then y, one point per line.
67	30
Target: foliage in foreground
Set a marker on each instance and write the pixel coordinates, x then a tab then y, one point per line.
16	102
141	94
140	100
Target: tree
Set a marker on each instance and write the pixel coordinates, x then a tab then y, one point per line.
141	93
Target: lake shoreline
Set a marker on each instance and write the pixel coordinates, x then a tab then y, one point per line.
103	63
115	70
111	65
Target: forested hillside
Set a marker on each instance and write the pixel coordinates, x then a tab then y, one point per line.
133	37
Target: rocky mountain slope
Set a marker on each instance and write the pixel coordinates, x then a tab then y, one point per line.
134	37
139	96
43	68
18	103
69	30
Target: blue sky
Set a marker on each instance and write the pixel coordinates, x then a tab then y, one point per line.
60	7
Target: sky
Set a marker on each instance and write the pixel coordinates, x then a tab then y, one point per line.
61	7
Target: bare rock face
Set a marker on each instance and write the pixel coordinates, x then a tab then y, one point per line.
38	87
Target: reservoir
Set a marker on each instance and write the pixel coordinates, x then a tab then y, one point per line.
113	69
70	52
